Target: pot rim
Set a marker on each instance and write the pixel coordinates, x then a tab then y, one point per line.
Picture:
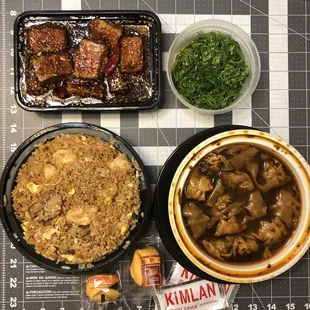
294	249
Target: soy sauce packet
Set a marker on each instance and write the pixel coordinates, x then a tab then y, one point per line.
179	274
197	294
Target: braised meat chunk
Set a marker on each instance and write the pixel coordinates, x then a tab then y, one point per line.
51	69
47	39
104	31
53	207
131	54
49	210
95	90
89	60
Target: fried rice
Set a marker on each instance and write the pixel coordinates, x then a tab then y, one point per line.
77	198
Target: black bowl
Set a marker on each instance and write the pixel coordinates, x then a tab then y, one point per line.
162	193
12	225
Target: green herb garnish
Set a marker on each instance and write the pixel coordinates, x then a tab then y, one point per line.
210	71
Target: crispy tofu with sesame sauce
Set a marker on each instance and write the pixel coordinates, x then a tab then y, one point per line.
34	87
90	60
51	69
47	39
103	31
117	83
95	90
131	54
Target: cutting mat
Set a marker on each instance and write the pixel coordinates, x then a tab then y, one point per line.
280	105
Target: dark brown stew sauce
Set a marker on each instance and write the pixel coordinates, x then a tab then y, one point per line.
139	84
240	203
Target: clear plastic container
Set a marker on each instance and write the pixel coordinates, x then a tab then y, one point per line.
248	48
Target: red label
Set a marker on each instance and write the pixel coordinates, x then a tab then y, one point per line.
151	275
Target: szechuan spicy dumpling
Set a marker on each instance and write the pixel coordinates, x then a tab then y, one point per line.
197	220
240	203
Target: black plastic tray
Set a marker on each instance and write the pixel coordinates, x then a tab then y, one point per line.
139	17
12	225
162	193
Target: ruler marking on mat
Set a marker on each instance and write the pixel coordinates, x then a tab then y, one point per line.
3	81
3	138
3	272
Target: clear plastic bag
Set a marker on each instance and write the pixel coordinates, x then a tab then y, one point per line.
137	290
231	291
103	291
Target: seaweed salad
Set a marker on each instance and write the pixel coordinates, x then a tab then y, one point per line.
210	71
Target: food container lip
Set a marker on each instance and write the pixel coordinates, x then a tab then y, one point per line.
156	64
242	38
12	226
284	259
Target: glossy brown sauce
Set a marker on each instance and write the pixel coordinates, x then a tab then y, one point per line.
241	204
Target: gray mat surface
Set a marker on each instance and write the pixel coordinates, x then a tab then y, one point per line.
280	105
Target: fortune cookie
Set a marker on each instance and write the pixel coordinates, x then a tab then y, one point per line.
145	268
98	288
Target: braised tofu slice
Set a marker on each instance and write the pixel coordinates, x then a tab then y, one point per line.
103	31
94	90
90	60
51	69
117	83
131	54
47	39
34	87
